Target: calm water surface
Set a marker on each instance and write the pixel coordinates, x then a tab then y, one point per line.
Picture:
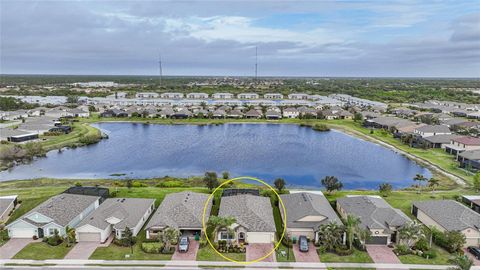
299	154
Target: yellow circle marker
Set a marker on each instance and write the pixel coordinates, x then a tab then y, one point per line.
204	226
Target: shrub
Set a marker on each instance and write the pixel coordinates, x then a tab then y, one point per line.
402	250
321	127
123	242
430	254
343	251
137	184
321	250
89	139
171	184
54	240
152	247
422	245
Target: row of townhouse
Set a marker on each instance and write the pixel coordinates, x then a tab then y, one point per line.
96	217
274	96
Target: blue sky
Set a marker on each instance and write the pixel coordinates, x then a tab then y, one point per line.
294	38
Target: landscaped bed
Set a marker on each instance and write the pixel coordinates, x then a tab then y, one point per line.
356	257
42	251
281	258
208	254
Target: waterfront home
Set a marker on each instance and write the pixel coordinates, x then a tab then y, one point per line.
219	114
469	159
181	114
290	112
305	213
449	215
222	96
253	114
147	95
247	96
376	215
254	219
473	201
307	111
7	204
343	114
432	130
166	112
197	95
115	215
171	95
235	114
298	96
182	211
273	115
114	113
273	96
328	114
75	112
439	141
55	214
461	144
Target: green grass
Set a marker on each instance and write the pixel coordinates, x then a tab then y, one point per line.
357	257
208	254
42	251
280	258
114	252
442	258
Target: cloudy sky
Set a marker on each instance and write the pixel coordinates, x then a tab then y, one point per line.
294	38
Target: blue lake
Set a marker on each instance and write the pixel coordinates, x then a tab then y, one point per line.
300	155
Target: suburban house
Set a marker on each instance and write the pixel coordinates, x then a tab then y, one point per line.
235	114
273	96
461	144
57	213
171	95
254	219
306	212
298	96
113	216
166	113
469	159
222	96
7	204
473	201
114	113
182	211
272	114
432	130
253	114
75	112
449	215
147	95
247	96
438	141
197	95
376	215
291	112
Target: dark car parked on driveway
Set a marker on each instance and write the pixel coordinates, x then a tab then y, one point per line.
183	244
303	243
475	251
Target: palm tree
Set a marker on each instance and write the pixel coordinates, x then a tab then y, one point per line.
461	262
70	235
411	232
433	183
330	235
170	237
419	178
351	228
215	223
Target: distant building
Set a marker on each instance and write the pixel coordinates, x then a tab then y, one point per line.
171	95
273	96
197	95
247	96
298	96
222	96
147	95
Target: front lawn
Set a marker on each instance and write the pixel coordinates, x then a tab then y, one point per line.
42	251
442	258
208	254
281	258
357	257
114	252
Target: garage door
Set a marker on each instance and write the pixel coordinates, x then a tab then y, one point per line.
377	240
88	237
259	238
22	233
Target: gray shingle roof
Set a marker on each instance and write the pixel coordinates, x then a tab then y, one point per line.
181	210
434	129
252	212
300	205
62	208
471	155
444	138
128	210
374	212
451	215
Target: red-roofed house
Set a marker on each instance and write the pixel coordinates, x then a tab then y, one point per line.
461	144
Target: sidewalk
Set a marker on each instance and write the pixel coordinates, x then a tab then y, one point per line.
200	264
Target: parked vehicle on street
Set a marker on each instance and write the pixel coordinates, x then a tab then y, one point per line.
184	244
303	243
475	251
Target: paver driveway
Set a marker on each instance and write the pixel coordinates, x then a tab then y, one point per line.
382	254
190	255
82	250
256	251
476	261
310	256
13	246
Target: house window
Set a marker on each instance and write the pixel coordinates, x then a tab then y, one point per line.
51	231
226	236
241	236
